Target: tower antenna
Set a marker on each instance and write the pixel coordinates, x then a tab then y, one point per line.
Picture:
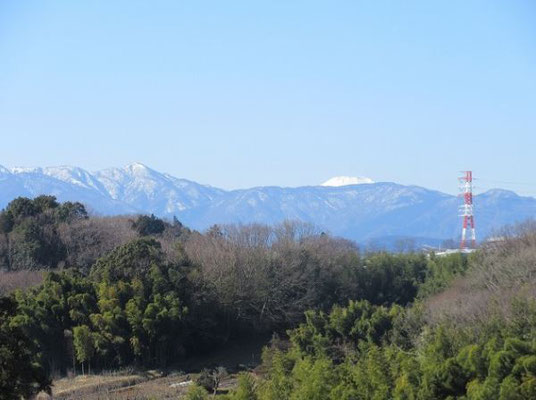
466	210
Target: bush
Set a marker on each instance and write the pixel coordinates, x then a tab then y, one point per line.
196	392
210	379
246	388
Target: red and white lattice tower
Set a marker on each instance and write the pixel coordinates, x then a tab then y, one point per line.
466	210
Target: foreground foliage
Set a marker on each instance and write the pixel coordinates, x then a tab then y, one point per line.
20	372
438	348
149	293
364	359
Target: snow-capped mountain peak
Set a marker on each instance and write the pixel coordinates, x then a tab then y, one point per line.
137	167
346	180
74	175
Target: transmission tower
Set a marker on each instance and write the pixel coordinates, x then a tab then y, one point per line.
466	210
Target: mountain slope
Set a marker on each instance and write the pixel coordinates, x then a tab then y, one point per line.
33	182
150	191
363	212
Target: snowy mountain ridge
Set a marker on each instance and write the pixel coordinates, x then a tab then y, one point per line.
353	207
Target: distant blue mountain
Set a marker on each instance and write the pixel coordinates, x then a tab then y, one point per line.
366	212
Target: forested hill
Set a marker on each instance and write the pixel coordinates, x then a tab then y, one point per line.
149	293
146	293
380	212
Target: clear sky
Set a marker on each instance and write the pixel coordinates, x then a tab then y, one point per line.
247	93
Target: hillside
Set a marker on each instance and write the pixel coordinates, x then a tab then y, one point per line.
165	305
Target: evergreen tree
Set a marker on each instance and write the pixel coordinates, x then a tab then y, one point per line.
21	374
84	345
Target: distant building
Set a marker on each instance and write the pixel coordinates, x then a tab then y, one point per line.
453	251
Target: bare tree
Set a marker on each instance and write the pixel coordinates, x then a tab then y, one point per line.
270	275
87	240
501	271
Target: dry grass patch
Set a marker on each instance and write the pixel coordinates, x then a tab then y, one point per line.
93	386
143	386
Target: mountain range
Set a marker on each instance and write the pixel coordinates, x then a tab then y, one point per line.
355	208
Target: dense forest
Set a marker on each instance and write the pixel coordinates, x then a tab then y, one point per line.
88	293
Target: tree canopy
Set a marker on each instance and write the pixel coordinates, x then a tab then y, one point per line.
359	326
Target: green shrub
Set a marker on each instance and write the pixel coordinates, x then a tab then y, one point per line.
196	392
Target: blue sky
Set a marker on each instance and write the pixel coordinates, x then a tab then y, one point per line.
246	93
